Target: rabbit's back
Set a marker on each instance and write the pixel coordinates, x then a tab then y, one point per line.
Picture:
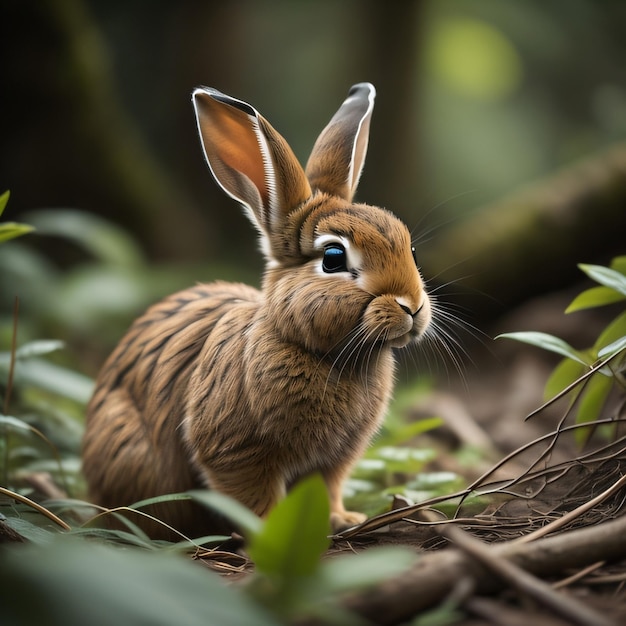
133	447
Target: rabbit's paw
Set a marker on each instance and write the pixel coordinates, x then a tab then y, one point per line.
346	519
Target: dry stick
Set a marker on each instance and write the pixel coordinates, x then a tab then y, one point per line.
398	515
40	509
579	575
568	607
568	517
435	573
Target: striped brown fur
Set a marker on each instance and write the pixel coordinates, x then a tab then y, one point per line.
243	390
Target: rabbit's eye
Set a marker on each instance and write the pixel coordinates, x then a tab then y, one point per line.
334	259
414	254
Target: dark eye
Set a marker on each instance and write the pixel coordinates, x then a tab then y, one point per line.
334	259
414	254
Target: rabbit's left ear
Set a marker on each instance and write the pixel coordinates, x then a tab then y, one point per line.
249	159
338	155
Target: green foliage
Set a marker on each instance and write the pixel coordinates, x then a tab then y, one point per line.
593	372
10	230
291	580
77	582
71	582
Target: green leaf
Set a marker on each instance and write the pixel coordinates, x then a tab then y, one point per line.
606	276
613	348
11	230
53	378
547	342
612	333
295	533
79	582
4	198
40	347
619	264
106	241
357	571
596	296
563	375
591	404
249	523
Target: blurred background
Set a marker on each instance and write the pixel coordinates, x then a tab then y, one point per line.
497	136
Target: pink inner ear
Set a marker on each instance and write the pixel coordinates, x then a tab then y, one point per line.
239	149
229	136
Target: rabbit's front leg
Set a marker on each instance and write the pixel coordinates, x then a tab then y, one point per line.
258	490
339	517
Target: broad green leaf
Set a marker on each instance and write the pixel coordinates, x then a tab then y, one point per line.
596	296
547	342
40	347
31	349
404	432
249	523
591	404
4	198
295	533
11	230
53	378
606	276
36	534
613	348
619	264
15	422
79	582
612	333
563	375
106	241
170	497
357	571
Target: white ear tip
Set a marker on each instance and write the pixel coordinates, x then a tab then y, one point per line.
363	87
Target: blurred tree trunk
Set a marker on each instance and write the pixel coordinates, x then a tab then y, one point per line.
529	243
69	139
391	42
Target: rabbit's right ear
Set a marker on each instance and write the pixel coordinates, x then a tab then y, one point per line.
336	162
249	159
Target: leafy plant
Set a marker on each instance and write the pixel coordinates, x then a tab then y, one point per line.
10	230
291	579
593	372
79	582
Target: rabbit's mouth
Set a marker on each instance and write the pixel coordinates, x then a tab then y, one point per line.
405	339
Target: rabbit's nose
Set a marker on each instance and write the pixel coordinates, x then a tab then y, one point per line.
406	307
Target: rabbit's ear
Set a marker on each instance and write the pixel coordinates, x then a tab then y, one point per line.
337	158
249	159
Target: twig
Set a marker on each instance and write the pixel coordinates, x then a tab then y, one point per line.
568	607
435	573
34	505
398	515
579	575
568	517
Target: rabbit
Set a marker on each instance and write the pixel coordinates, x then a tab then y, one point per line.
245	391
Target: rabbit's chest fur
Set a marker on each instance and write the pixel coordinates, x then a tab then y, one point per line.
199	374
255	396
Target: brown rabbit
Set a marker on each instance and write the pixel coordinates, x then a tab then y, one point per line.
226	387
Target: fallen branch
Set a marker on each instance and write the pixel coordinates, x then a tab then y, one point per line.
436	573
